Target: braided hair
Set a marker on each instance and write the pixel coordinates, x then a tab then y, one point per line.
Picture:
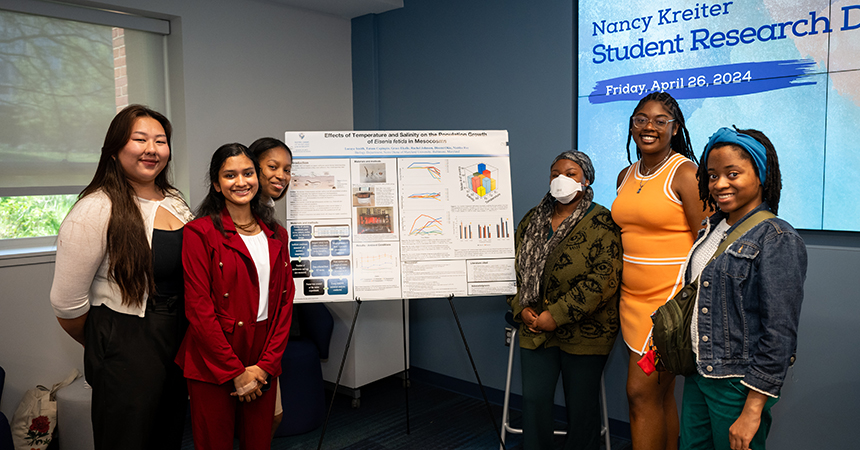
772	184
680	142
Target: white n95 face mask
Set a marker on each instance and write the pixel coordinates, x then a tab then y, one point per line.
564	189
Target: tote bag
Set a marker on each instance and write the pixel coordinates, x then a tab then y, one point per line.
36	417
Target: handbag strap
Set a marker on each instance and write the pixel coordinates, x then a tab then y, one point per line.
74	375
739	231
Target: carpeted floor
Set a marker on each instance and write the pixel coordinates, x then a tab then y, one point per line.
438	419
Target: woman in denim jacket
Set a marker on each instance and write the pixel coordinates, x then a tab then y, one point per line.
748	304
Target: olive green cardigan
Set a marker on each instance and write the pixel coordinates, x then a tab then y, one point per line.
580	287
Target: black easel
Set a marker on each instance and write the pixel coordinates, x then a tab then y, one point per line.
406	368
405	363
340	371
475	369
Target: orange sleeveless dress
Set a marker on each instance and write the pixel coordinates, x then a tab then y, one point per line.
656	239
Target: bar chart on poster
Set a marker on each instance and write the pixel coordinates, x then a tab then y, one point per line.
382	215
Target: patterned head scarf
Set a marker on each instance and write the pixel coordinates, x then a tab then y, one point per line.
580	158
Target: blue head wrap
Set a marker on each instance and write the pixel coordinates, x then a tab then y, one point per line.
750	144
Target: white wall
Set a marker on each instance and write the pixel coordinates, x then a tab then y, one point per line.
34	349
239	70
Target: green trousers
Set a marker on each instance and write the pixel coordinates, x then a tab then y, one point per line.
710	407
580	376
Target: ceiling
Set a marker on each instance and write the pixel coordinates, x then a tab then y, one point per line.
347	9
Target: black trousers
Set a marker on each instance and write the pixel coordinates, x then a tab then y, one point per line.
139	393
580	377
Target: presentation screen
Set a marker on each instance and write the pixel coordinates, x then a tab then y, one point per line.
789	68
381	215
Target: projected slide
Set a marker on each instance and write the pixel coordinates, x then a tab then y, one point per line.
786	67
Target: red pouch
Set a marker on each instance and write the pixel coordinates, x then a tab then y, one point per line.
648	362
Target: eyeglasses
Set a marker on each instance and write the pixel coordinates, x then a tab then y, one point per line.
660	122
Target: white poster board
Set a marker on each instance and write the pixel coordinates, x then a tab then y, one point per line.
400	214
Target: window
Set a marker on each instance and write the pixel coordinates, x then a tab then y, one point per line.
61	83
33	215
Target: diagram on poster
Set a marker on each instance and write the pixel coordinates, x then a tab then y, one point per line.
400	214
320	256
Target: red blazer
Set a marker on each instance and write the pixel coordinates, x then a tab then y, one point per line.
222	298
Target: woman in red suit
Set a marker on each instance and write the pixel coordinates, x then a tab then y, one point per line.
237	331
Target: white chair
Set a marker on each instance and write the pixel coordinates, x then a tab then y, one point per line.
73	416
506	419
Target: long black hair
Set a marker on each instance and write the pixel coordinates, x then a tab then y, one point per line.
128	249
772	184
214	202
680	142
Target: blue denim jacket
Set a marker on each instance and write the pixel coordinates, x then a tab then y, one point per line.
749	304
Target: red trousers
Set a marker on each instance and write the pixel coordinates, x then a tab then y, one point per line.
215	414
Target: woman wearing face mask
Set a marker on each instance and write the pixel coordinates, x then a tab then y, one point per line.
568	267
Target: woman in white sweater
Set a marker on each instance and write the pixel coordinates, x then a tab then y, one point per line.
118	286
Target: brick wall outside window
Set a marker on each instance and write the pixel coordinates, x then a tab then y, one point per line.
119	69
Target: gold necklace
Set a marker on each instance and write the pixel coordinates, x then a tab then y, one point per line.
247	227
645	178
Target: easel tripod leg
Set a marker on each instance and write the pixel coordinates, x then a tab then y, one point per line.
340	371
475	369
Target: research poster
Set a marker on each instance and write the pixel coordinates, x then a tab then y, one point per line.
400	214
789	68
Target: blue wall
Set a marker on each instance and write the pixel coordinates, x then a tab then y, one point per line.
485	64
453	64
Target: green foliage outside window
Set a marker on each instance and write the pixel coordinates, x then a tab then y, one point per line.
33	216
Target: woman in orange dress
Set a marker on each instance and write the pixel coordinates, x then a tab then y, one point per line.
659	212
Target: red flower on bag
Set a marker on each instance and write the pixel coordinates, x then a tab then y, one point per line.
41	425
38	432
